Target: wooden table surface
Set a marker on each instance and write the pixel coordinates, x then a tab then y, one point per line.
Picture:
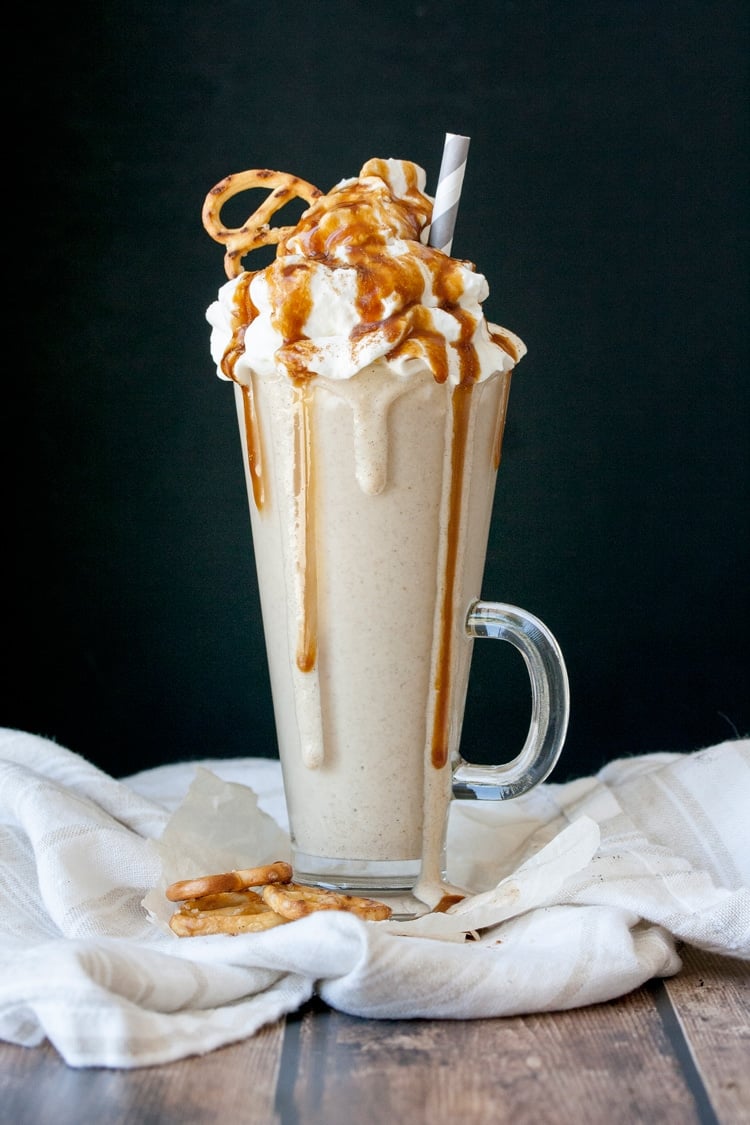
675	1051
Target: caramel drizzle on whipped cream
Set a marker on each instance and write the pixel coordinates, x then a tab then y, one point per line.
350	228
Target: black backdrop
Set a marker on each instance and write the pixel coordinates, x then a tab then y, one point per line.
604	200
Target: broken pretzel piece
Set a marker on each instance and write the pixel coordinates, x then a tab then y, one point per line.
240	880
225	903
238	912
295	900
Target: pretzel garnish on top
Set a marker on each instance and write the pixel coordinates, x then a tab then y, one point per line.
255	231
240	880
295	900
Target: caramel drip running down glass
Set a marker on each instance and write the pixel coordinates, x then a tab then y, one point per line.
371	396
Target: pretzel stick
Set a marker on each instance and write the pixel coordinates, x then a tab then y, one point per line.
255	231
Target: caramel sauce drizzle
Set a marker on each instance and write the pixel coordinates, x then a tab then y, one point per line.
442	684
446	902
508	346
350	227
460	403
243	314
497	444
254	447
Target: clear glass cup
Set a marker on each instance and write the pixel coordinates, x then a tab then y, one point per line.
370	501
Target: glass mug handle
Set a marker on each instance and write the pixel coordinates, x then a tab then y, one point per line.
550	705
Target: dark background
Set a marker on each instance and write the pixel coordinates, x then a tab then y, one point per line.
605	200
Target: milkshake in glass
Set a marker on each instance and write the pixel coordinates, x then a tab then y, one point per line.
371	395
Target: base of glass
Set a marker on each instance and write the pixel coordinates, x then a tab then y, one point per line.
369	876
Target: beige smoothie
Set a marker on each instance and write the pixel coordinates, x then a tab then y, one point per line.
371	396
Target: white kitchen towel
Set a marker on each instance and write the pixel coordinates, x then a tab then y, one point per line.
581	892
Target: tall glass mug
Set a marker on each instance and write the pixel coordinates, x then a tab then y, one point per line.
370	502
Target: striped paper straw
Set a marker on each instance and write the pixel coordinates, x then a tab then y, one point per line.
450	181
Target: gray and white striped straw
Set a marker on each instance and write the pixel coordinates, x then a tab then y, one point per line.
448	191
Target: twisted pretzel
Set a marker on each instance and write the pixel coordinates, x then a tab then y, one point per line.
255	231
278	872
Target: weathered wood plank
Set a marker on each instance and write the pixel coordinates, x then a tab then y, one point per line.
711	1000
610	1062
235	1083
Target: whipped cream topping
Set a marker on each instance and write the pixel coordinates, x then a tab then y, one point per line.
355	282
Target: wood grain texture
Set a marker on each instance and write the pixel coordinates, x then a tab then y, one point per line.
232	1084
711	1000
611	1062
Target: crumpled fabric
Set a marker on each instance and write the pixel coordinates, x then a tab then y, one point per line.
581	892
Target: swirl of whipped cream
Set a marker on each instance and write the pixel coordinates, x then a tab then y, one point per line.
355	282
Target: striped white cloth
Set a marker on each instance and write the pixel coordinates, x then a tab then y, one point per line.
599	881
